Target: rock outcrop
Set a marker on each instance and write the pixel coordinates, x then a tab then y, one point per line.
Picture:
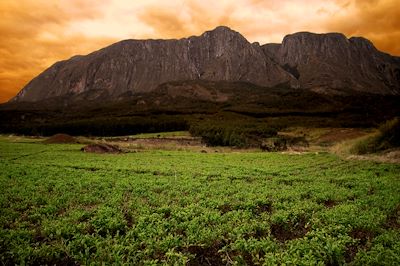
327	63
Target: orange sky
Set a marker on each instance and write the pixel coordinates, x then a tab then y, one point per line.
37	33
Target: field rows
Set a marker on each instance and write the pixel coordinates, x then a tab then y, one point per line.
62	206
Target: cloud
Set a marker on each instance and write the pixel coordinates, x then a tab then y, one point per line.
32	41
258	20
377	20
37	33
188	18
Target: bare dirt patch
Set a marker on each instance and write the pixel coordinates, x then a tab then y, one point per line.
351	252
393	155
288	231
340	134
390	156
101	148
163	143
393	220
61	139
363	236
205	255
329	203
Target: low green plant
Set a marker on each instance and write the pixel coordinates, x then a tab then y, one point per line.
60	206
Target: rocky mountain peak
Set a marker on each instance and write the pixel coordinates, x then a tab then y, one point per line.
224	36
310	37
223	30
363	43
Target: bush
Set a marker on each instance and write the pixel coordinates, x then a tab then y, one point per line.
387	137
225	134
364	146
219	136
390	134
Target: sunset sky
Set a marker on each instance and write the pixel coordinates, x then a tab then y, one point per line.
37	33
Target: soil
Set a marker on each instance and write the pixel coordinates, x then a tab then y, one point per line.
393	221
61	139
163	143
289	231
329	203
363	236
351	252
101	148
389	156
205	255
158	141
339	134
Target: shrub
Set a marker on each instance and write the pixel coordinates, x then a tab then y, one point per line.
225	134
364	146
387	137
390	134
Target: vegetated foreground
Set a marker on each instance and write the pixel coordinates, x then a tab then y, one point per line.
63	206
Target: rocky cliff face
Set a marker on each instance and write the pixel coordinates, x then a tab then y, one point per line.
142	65
332	63
327	63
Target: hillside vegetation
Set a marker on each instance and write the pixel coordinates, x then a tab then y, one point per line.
243	105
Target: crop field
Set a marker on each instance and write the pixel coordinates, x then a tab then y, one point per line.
62	206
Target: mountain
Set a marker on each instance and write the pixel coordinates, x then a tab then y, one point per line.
141	65
324	63
331	62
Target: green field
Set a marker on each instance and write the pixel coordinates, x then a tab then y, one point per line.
62	206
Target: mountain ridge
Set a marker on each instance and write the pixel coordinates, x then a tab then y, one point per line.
325	63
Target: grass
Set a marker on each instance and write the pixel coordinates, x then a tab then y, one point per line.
387	137
62	206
